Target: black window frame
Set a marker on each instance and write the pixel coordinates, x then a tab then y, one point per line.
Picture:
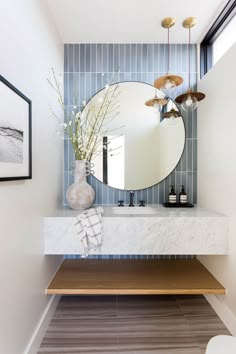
206	46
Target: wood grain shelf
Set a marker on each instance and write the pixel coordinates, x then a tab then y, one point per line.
107	277
124	277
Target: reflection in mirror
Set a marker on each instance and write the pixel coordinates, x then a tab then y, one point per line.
138	148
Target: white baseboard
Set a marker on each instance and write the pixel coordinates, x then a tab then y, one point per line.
42	326
222	310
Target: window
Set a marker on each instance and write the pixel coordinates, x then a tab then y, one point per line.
224	41
219	38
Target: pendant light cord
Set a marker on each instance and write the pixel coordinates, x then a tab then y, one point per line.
168	52
189	59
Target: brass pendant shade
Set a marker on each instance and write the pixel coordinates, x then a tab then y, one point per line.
189	100
155	100
168	81
172	80
171	113
198	95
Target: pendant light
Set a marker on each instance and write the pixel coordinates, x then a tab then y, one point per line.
171	115
168	81
156	102
189	100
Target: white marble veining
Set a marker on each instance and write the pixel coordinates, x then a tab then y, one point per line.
133	211
164	231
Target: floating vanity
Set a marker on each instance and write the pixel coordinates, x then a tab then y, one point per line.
144	230
139	230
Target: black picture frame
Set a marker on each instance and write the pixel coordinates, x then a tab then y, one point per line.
15	133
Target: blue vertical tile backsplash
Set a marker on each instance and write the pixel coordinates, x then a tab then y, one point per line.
88	67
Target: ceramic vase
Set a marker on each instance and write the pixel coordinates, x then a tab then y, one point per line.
80	195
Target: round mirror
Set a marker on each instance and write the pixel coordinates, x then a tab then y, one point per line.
137	147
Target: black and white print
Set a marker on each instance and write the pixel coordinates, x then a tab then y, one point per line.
15	133
11	142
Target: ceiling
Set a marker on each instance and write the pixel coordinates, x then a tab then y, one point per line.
129	21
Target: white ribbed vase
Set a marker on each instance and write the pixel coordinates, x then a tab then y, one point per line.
80	195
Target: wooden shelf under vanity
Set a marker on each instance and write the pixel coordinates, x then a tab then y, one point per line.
133	277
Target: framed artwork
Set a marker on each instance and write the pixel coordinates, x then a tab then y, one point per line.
15	133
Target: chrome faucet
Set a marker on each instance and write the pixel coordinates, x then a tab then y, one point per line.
131	198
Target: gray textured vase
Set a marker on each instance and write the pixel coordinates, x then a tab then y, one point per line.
80	195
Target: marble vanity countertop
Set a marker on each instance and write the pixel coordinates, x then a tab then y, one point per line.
159	208
164	231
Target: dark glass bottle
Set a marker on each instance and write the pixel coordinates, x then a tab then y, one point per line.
172	195
183	199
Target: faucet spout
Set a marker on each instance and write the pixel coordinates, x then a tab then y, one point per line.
131	198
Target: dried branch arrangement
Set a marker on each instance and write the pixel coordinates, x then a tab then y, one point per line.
86	128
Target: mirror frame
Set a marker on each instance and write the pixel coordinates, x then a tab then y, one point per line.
168	97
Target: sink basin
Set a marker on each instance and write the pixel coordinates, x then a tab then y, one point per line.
133	210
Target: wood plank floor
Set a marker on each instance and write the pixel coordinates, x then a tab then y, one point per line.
164	324
115	277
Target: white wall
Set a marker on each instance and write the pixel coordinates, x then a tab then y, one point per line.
217	171
29	47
